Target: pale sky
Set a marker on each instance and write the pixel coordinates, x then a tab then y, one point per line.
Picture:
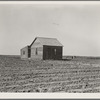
76	25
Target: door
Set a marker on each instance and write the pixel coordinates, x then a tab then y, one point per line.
48	53
29	52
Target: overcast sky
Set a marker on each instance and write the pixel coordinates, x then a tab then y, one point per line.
76	25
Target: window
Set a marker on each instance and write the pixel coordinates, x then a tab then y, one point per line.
55	51
23	52
36	52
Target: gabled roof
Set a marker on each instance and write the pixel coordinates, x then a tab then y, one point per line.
25	47
48	41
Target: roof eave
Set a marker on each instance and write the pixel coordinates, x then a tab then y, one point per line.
33	42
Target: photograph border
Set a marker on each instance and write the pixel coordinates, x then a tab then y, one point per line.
26	96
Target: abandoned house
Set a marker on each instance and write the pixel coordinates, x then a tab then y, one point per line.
43	48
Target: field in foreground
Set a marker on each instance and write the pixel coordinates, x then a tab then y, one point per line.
75	76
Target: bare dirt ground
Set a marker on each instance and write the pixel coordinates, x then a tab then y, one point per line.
74	76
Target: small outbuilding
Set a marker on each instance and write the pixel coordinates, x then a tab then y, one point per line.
44	49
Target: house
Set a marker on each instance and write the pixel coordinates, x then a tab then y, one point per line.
43	48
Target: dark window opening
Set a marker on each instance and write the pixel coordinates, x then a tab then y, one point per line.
55	51
23	52
29	52
36	52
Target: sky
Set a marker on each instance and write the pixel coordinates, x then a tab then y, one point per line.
75	24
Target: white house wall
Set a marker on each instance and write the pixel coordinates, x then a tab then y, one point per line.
37	45
25	49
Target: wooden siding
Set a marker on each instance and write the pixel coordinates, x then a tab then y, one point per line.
43	48
36	50
24	52
37	55
36	44
52	52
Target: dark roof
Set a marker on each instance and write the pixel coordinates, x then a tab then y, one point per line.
48	41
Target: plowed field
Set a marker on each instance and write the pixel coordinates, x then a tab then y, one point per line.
74	76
